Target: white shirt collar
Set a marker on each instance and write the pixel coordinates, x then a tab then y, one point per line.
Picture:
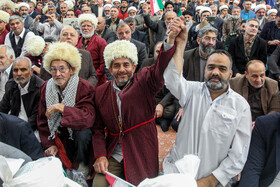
24	90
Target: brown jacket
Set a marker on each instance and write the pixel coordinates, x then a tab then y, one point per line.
229	27
269	93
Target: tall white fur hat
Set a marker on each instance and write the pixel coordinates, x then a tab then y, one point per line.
260	6
87	17
7	3
4	16
205	9
119	49
273	10
63	51
24	5
35	45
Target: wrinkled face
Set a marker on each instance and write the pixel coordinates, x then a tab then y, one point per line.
204	15
251	28
63	8
132	26
22	72
260	13
70	14
169	7
31	7
207	43
87	10
217	72
124	33
8	10
114	13
16	26
132	13
107	11
272	17
87	29
2	26
188	18
100	25
256	74
247	5
5	61
69	35
169	17
236	12
214	11
124	4
122	70
23	11
61	72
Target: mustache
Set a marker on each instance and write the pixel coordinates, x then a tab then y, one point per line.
58	77
214	76
19	77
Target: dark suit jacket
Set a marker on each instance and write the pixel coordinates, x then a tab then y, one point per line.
34	14
191	67
108	35
142	52
11	99
269	93
87	71
94	9
18	133
274	63
237	51
263	162
270	32
141	37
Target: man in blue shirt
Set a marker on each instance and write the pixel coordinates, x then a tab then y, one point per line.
247	13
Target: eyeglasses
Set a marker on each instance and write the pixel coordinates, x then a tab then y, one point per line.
61	69
207	38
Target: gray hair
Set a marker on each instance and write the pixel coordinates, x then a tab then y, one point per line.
236	7
253	19
170	12
65	27
130	19
214	6
18	59
205	30
15	17
114	7
9	51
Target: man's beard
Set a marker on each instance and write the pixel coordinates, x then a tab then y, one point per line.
89	35
123	81
24	16
207	49
235	17
132	16
216	87
22	81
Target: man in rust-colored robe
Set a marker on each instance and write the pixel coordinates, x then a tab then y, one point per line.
125	106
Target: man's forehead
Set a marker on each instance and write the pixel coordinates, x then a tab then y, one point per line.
21	63
218	60
210	33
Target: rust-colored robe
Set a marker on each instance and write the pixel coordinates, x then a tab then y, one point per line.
79	117
140	145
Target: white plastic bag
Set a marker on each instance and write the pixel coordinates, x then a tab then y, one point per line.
44	172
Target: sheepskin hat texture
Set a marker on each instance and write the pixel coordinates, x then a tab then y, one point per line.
205	9
87	17
4	16
223	7
131	8
23	5
63	51
260	6
120	49
272	11
7	3
35	45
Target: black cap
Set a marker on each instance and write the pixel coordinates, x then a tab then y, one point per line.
187	12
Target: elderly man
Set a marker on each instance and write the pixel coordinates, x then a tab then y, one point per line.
270	34
260	11
51	27
66	109
32	12
23	9
247	47
216	123
103	31
8	6
132	11
113	21
63	9
92	43
271	14
124	33
260	91
195	59
18	36
70	35
106	10
131	145
232	24
4	19
7	57
21	96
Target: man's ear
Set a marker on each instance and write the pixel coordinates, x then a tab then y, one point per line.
134	68
110	70
198	40
246	74
230	74
72	70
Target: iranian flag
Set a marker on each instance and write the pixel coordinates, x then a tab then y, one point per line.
156	5
115	181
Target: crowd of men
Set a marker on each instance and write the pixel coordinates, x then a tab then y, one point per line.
90	79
